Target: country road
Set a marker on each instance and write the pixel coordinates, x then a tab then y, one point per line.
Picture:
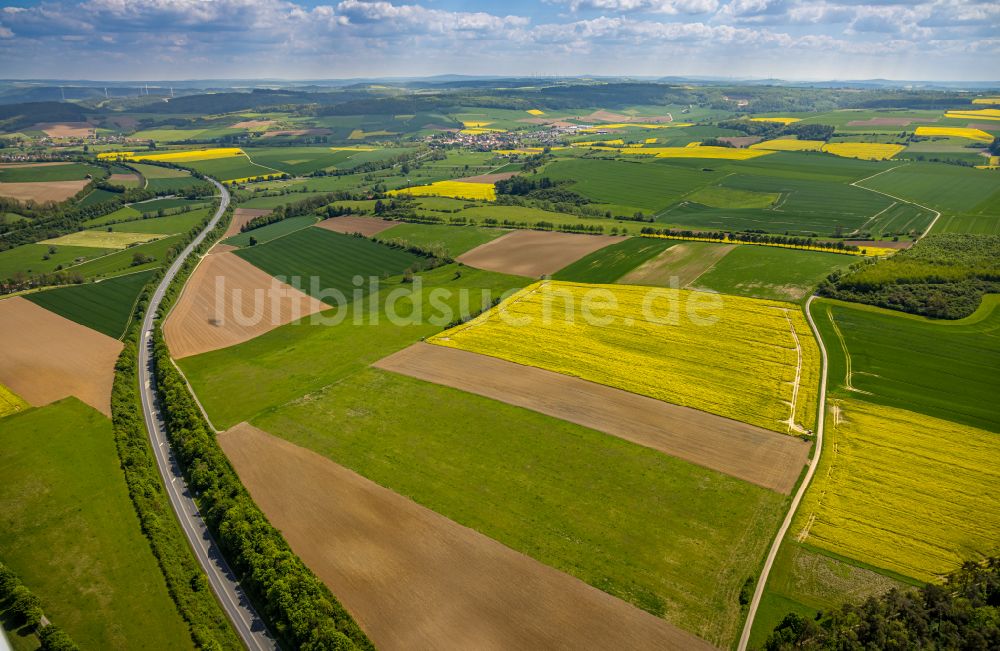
247	623
758	592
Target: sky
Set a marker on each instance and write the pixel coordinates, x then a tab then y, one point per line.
944	40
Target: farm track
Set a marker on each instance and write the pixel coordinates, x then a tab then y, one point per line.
247	624
758	592
937	214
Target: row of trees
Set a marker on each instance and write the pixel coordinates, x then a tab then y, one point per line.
961	614
24	609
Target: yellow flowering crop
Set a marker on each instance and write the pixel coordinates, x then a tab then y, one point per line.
729	153
749	359
986	100
478	131
10	402
694	144
475	124
536	112
354	148
865	150
454	189
778	120
981	114
903	491
589	143
175	156
955	132
650	141
789	145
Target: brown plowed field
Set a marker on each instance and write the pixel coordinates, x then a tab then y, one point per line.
488	178
251	303
66	129
367	226
252	124
740	141
45	357
416	580
240	217
737	449
43	190
123	178
534	253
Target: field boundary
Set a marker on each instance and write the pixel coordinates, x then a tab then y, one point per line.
937	214
758	592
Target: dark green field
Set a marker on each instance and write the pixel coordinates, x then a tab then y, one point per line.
172	203
69	172
69	530
29	258
226	169
121	262
169	225
272	231
298	161
332	258
609	264
945	369
105	306
98	196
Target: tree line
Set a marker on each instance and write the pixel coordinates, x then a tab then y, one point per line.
23	609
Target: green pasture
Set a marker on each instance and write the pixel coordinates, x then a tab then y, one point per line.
451	240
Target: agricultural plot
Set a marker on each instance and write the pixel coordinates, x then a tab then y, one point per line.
273	231
160	179
601	498
152	254
494	595
70	532
367	226
725	197
902	491
739	450
299	161
235	168
105	306
102	239
49	357
170	224
227	301
456	189
609	264
33	259
172	203
770	273
328	261
450	240
47	172
944	369
10	402
534	253
96	196
41	192
661	352
240	217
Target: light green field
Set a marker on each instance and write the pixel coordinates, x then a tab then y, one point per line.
450	240
234	167
157	172
123	213
609	264
120	262
70	532
723	197
170	225
769	272
168	135
38	173
102	239
28	258
272	231
277	200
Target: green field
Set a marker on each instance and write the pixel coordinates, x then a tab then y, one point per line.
170	225
227	169
272	231
123	213
70	532
609	264
97	196
298	161
333	259
719	196
578	500
451	240
28	258
34	174
105	306
172	203
120	262
769	272
152	172
942	369
276	200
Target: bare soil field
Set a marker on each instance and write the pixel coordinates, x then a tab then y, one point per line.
488	178
228	301
888	122
414	579
252	124
606	116
534	253
240	217
123	178
685	262
66	129
42	191
737	449
46	357
367	226
740	141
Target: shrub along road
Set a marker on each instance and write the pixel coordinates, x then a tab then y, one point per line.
247	623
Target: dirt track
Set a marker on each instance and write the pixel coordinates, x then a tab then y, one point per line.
251	303
240	217
43	190
45	357
416	580
534	253
744	451
367	226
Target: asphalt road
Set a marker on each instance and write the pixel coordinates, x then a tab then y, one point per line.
246	622
758	592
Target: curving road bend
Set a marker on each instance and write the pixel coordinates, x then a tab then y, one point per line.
758	592
248	625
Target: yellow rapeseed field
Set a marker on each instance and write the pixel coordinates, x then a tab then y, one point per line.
454	189
778	120
650	141
986	100
478	131
981	114
729	153
473	124
955	132
523	150
749	359
590	143
789	144
10	402
536	112
175	156
903	491
865	150
260	177
354	148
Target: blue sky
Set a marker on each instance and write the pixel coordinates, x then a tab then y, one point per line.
298	39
